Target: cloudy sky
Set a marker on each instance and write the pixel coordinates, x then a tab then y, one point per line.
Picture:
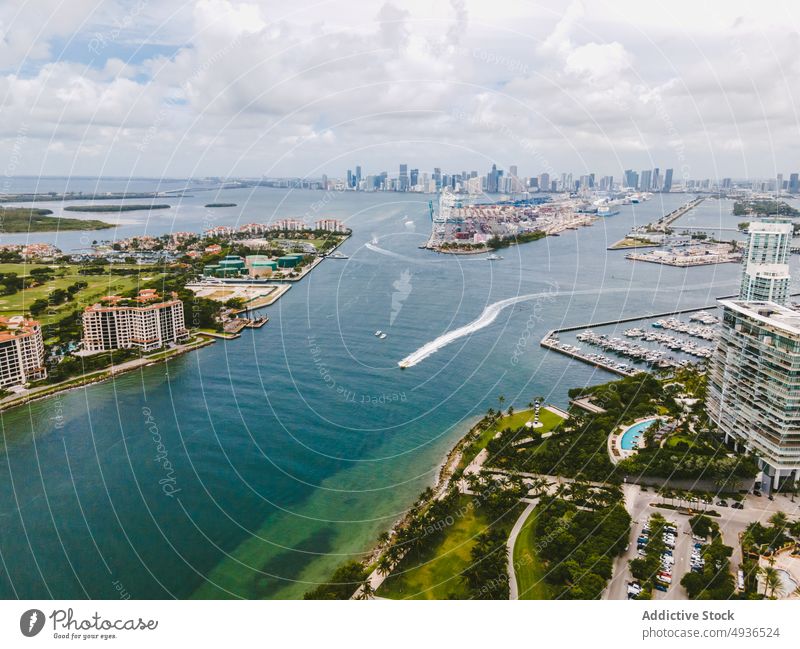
222	87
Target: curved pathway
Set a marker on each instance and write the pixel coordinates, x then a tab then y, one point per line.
512	539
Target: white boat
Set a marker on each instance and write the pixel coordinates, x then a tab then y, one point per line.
378	333
382	336
338	255
493	257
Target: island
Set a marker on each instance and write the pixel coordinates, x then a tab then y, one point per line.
220	205
115	208
26	219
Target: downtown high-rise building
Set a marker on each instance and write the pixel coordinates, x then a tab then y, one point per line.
402	178
544	182
645	180
667	181
765	264
631	179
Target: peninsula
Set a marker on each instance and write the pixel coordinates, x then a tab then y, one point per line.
26	219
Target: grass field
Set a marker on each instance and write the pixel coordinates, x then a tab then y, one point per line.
628	242
436	574
549	419
99	285
528	568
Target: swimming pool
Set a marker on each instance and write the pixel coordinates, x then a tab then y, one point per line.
789	584
634	433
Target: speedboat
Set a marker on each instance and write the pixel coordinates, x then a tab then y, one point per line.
493	257
378	333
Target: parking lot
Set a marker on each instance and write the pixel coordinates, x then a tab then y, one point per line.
732	523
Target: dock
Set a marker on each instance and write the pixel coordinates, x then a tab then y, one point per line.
551	342
257	323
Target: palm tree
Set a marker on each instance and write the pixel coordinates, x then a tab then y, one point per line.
367	591
561	489
794	529
772	581
779	520
384	565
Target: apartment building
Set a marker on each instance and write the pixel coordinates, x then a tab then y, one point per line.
21	351
147	322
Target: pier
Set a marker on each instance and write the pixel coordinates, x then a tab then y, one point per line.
662	225
551	342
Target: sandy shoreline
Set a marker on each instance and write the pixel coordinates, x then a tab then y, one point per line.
444	473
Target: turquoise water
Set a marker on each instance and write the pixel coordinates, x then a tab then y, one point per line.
634	433
292	447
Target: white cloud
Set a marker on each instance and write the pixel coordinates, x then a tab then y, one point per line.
320	86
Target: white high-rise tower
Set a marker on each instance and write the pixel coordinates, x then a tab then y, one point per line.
765	272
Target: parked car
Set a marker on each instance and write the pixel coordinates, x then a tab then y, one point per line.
737	506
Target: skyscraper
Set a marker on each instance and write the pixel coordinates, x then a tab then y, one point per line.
754	384
656	186
765	271
544	182
794	184
631	179
358	176
667	181
491	180
402	179
414	178
645	180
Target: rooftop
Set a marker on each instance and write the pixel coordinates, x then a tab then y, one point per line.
15	326
146	297
782	227
769	313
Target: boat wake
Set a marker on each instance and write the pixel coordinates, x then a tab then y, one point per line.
490	313
486	318
397	255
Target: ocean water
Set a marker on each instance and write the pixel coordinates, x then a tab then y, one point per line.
252	467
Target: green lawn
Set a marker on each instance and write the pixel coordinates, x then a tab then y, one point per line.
549	419
529	569
674	440
436	573
99	285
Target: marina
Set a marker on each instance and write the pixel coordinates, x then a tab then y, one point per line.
650	357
